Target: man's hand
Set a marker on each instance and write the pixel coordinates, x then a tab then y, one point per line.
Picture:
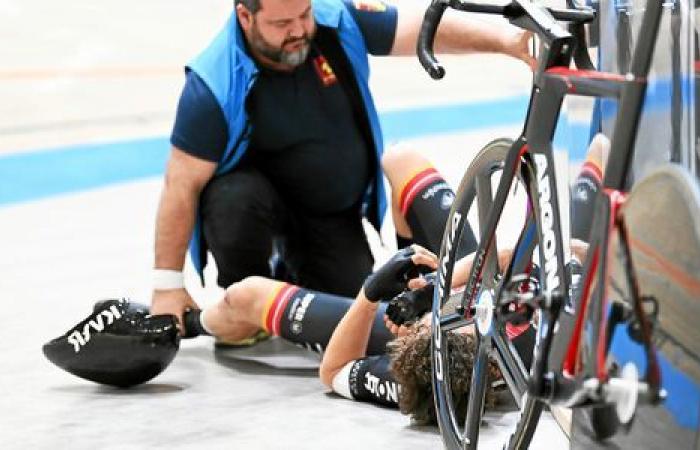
394	275
518	46
172	301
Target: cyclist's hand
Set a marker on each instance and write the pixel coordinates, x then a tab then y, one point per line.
393	276
410	305
397	330
172	301
518	46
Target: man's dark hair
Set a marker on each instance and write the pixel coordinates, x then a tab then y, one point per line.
251	5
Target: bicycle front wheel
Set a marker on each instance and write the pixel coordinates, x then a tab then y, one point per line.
472	314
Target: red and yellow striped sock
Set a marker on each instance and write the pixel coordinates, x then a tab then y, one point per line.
275	306
593	169
422	178
596	156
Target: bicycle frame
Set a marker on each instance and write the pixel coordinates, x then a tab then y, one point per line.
556	375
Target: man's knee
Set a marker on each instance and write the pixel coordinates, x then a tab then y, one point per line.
244	191
239	205
241	214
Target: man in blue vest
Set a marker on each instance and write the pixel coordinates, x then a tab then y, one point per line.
277	145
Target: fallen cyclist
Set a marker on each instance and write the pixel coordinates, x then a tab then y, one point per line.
352	371
353	335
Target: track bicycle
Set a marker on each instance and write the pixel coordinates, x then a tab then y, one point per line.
570	365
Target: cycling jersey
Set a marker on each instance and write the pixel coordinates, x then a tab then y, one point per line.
308	318
368	379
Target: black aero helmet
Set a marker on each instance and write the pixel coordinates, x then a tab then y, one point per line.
119	344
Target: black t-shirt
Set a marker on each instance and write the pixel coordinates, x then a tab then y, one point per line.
305	135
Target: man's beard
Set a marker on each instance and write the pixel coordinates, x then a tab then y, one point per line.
278	54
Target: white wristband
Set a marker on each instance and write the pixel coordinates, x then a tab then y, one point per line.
164	279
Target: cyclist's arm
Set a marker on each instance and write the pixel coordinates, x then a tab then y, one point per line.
462	267
460	274
460	34
349	339
368	379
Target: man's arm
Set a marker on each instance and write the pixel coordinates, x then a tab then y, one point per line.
185	177
459	33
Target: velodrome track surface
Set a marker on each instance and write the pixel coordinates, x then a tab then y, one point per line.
83	82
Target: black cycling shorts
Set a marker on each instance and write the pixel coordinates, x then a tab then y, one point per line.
308	318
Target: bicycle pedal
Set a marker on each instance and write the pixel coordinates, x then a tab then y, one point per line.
522	284
547	301
521	290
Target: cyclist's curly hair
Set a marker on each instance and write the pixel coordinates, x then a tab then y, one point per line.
410	365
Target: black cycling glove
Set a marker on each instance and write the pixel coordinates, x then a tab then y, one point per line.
408	306
393	276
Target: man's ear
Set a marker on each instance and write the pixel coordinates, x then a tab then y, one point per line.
245	17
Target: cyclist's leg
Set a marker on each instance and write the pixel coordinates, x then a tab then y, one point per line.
586	187
421	199
299	315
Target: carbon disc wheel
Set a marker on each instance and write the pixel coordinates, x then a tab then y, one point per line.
456	311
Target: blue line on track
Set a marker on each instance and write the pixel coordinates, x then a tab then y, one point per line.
41	174
44	173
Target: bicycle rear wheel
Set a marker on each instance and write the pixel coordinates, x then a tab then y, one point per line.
452	312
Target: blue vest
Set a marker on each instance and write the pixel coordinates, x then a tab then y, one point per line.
229	72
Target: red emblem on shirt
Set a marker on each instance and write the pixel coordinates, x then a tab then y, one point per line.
370	5
325	71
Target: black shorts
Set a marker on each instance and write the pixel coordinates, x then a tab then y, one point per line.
308	318
251	230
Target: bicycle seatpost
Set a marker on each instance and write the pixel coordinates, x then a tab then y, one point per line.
632	99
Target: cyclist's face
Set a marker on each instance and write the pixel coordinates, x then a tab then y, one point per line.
280	32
